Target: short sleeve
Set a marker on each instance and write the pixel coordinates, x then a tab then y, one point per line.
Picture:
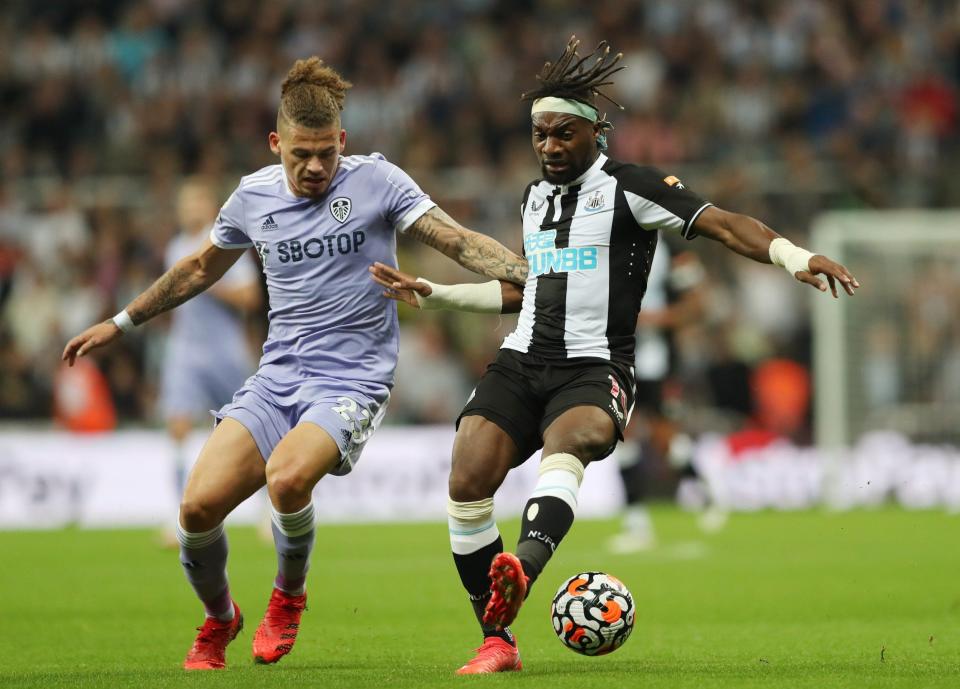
659	201
227	231
403	201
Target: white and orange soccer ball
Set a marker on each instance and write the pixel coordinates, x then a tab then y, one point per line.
593	613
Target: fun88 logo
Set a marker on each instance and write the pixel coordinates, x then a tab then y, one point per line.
544	257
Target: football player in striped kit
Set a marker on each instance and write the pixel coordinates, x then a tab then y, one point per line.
317	221
564	379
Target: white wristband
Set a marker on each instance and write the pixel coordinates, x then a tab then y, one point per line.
785	253
123	321
484	297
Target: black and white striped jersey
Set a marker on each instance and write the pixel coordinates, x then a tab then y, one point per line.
590	245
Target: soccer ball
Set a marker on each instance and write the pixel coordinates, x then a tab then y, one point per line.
593	613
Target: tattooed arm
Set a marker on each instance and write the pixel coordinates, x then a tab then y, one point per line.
187	278
472	250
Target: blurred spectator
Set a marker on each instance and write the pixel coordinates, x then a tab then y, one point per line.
431	385
781	108
82	400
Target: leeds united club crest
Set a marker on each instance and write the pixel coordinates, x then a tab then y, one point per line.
340	208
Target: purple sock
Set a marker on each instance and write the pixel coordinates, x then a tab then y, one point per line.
204	559
293	537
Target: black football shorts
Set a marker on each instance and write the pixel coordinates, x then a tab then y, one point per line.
524	393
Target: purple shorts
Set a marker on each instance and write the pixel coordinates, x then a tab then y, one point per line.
349	413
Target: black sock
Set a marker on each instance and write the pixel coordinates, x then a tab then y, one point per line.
546	521
474	570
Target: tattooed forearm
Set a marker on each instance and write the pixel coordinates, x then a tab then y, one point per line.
472	250
438	230
485	255
184	280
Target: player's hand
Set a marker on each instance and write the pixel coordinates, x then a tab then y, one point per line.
398	285
834	272
95	336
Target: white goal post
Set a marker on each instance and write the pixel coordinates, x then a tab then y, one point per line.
889	358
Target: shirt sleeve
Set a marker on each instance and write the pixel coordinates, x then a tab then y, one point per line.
659	201
403	201
227	231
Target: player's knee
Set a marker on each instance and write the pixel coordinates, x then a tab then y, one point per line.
479	462
586	444
197	516
285	483
468	484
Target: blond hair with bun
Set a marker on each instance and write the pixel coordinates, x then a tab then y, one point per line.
312	94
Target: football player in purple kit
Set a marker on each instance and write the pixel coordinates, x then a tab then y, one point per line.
317	220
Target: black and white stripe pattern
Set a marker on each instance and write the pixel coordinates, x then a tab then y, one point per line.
590	244
551	296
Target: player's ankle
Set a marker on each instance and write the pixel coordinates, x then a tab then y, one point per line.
223	617
292	591
505	634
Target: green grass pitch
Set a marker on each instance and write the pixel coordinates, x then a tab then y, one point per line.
861	600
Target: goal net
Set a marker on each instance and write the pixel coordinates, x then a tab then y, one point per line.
889	358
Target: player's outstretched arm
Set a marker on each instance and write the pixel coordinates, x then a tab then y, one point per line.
473	250
185	279
751	238
496	296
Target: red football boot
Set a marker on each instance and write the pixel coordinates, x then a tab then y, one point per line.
496	655
508	588
209	648
277	633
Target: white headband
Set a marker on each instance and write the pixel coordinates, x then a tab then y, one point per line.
566	105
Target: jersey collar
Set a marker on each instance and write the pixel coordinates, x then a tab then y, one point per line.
337	174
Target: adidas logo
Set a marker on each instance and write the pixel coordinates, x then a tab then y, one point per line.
269	224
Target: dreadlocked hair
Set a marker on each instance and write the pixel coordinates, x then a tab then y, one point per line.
572	77
312	95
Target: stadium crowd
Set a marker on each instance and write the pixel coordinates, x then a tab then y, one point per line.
779	109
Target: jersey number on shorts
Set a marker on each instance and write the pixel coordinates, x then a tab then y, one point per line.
351	412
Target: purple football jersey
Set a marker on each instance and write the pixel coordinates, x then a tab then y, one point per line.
328	319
